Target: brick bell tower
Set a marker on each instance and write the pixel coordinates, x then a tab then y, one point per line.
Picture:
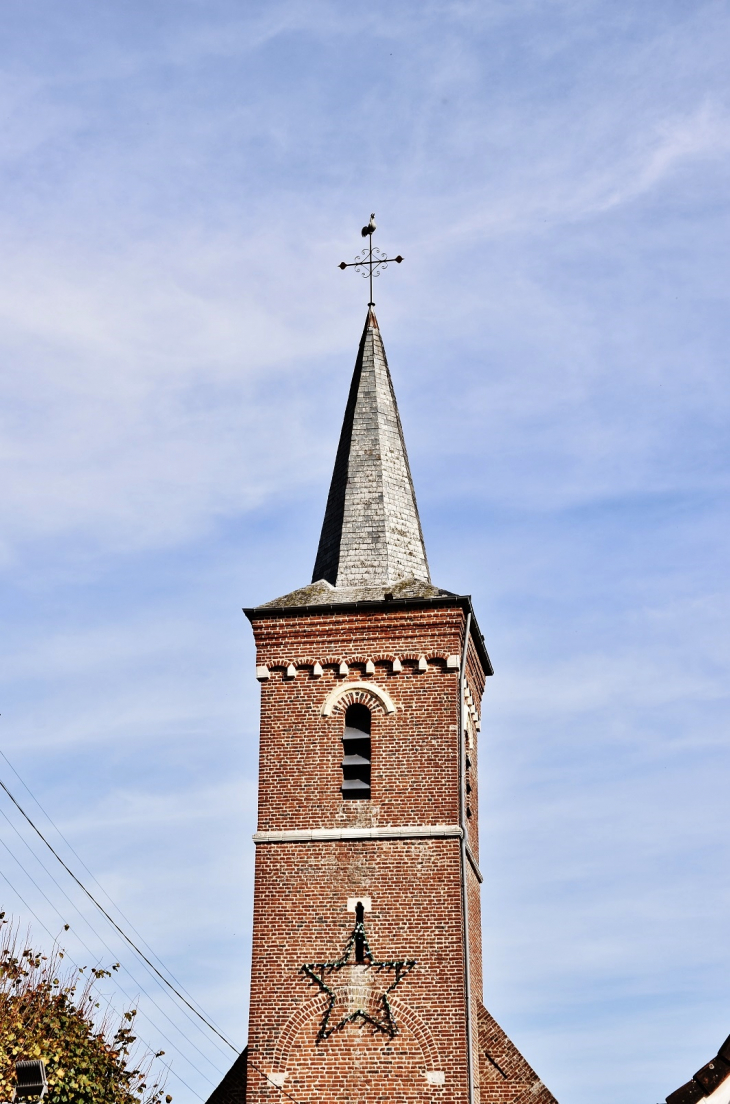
366	978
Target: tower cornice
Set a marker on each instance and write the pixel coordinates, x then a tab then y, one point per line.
335	608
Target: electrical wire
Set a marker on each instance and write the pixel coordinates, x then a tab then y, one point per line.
114	923
180	1079
35	915
32	911
101	887
155	975
281	1089
126	994
102	941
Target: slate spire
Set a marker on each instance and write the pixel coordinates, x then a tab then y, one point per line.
371	535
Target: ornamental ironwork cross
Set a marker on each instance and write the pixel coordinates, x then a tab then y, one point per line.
371	261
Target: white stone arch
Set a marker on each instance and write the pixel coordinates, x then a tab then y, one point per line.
361	691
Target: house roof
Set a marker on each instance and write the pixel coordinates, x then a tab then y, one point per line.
711	1084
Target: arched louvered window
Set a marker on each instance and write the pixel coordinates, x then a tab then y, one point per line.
356	760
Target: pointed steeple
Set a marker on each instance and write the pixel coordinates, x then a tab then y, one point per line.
371	535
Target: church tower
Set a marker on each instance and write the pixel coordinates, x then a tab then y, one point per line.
366	981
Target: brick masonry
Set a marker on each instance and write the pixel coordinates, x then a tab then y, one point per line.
305	889
325	1027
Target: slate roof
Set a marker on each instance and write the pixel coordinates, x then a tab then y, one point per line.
371	535
323	593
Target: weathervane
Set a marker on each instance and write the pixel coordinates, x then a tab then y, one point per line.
372	261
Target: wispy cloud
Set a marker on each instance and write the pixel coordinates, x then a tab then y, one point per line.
176	341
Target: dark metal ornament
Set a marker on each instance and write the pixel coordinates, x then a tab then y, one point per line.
371	261
320	973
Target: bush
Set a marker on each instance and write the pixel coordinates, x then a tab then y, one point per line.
49	1011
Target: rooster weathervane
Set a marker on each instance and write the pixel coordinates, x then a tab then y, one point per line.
371	261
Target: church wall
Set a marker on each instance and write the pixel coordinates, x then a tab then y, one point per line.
415	749
367	874
413	630
303	888
301	916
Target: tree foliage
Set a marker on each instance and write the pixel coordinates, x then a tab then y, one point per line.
51	1012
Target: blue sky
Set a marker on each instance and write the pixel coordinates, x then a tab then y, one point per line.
179	181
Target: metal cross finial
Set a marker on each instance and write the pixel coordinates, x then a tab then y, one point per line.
372	261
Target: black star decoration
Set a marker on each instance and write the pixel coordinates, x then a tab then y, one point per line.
356	986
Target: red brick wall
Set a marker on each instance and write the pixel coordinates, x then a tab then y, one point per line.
302	888
506	1078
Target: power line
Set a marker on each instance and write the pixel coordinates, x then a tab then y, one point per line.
109	949
33	913
180	1079
101	887
271	1082
114	923
167	1066
105	944
127	995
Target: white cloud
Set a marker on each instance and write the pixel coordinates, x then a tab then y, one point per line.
176	344
702	135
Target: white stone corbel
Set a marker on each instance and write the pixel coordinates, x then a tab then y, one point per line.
317	671
344	669
262	672
422	663
291	671
397	666
452	662
370	667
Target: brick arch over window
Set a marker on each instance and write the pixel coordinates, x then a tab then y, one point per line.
347	693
